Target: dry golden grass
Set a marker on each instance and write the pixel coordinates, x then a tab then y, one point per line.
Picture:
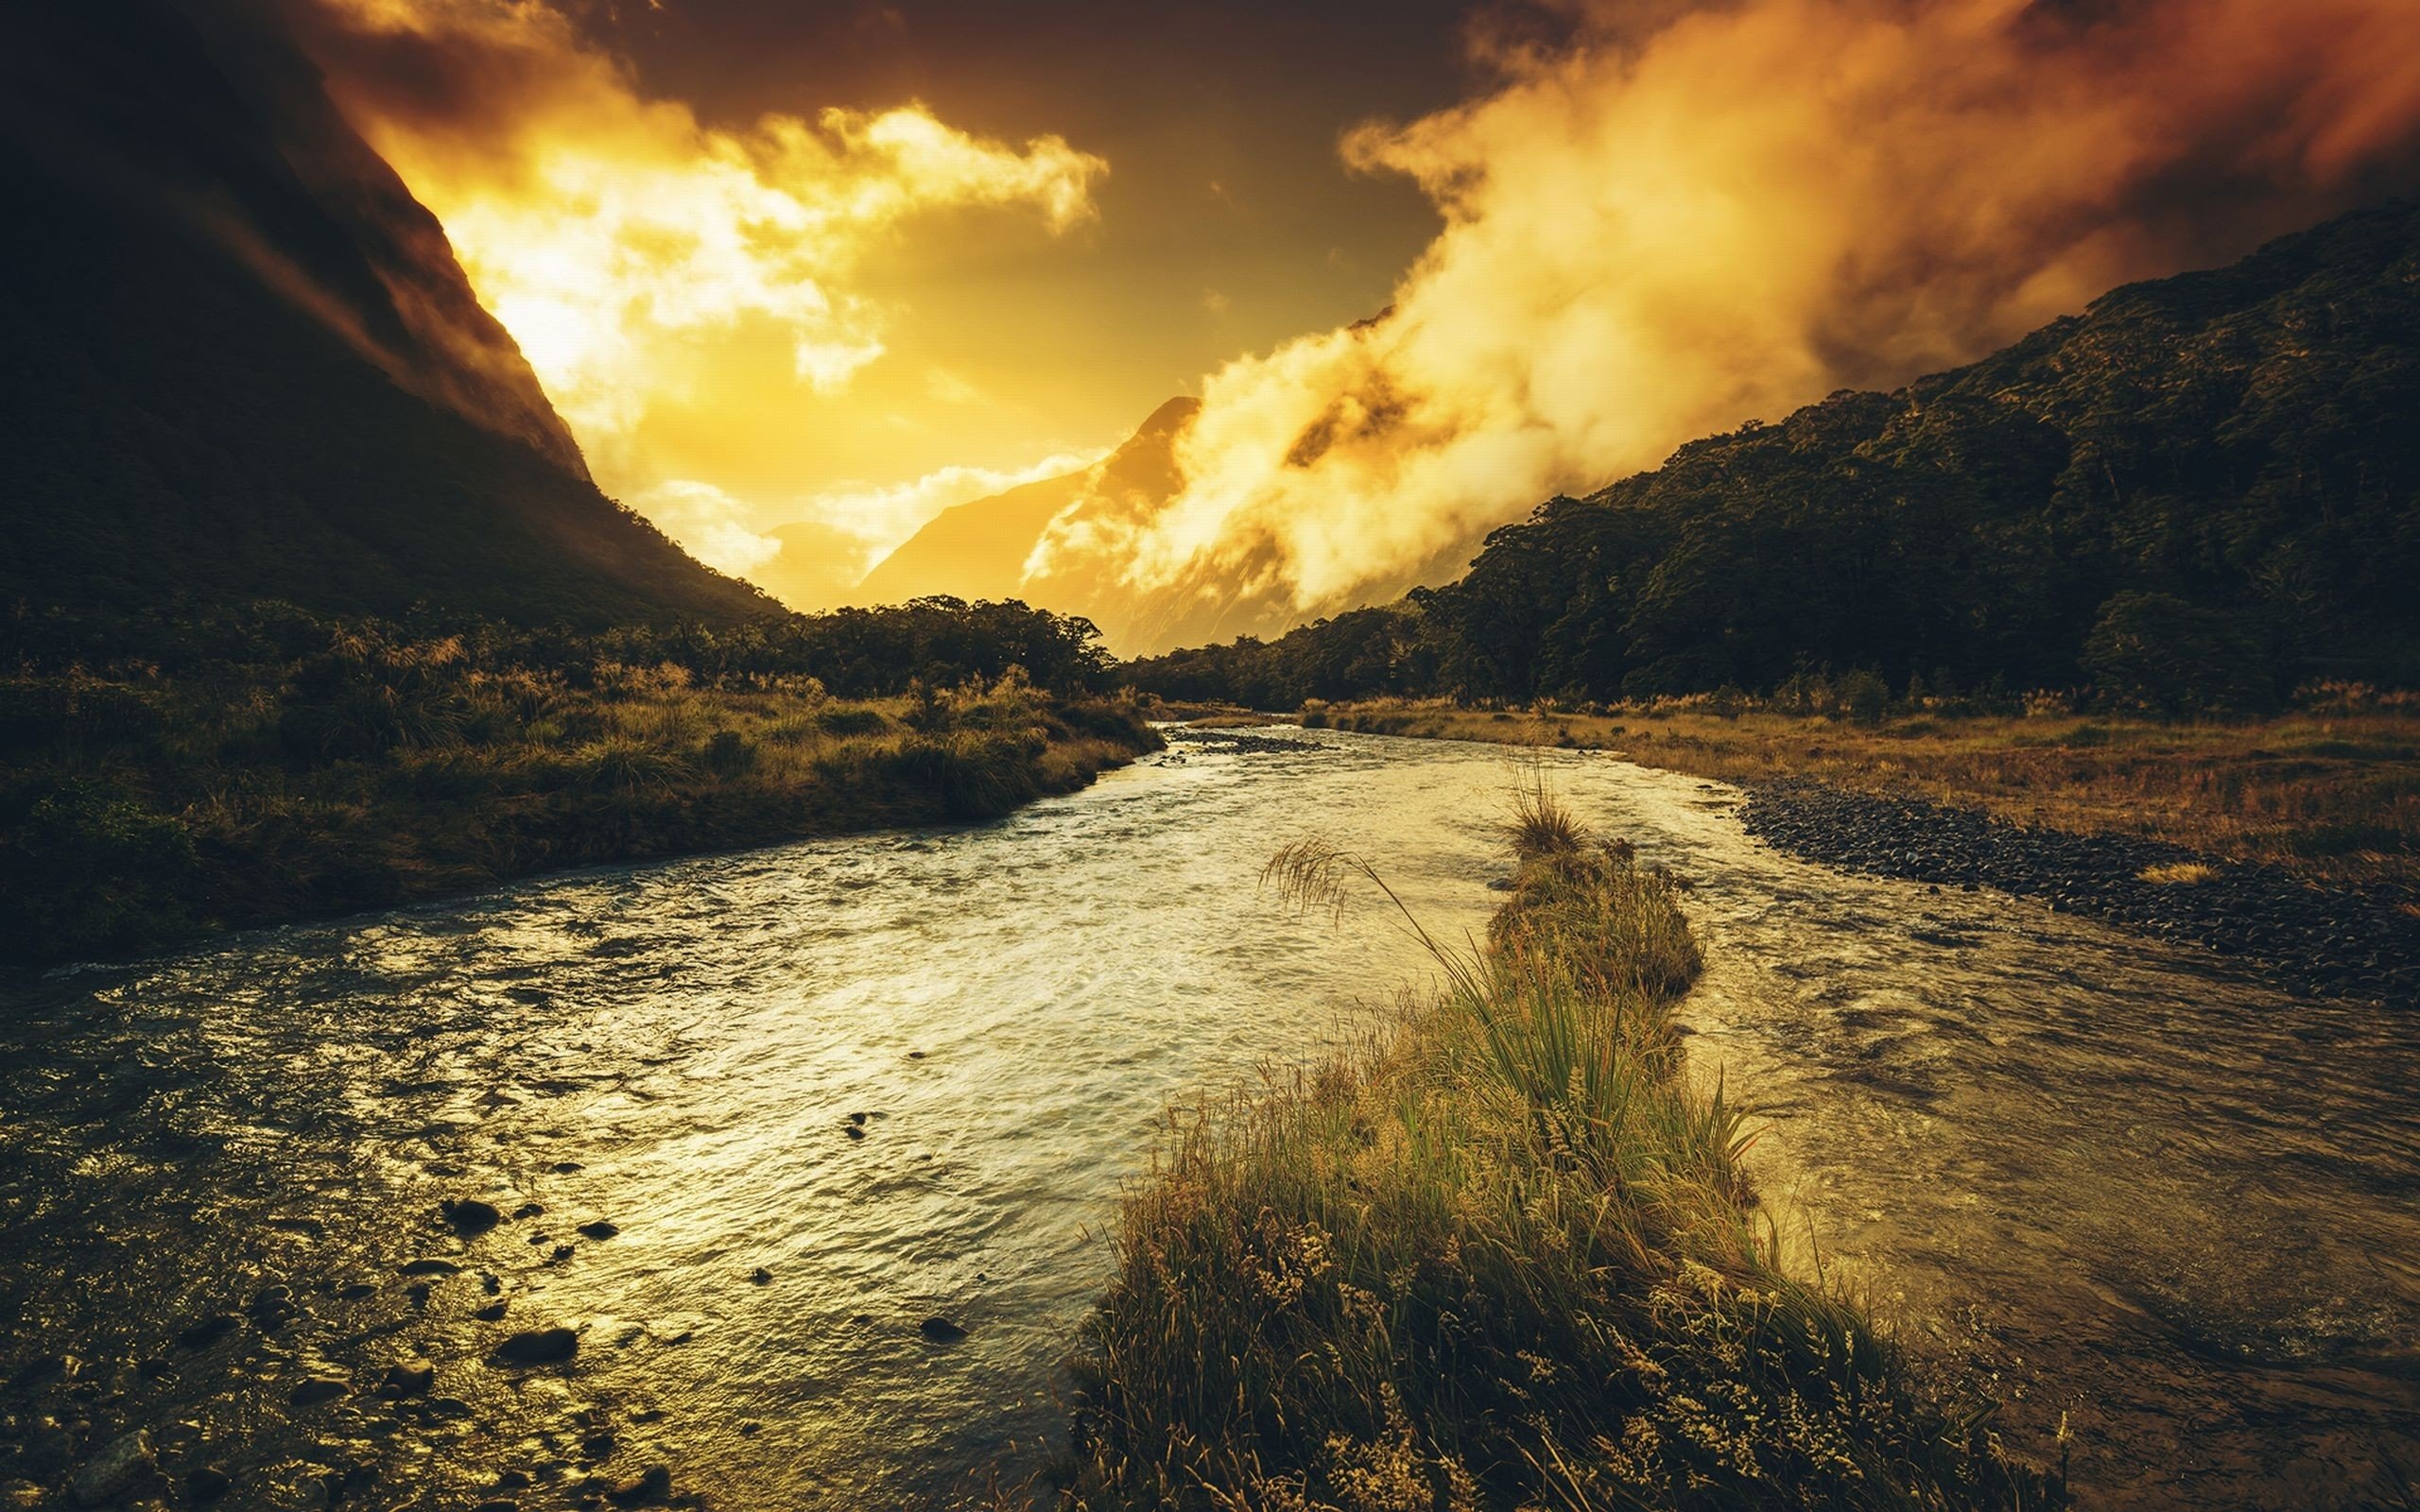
1500	1257
2332	797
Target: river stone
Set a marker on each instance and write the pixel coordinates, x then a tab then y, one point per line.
539	1347
427	1265
602	1228
410	1377
470	1216
206	1482
940	1331
114	1471
493	1312
208	1332
652	1485
317	1389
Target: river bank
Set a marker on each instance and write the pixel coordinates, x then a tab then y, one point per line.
2290	844
209	814
2312	941
2160	1202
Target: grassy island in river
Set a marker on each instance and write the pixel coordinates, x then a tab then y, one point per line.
1504	1257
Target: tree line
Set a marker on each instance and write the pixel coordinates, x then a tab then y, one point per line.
2195	496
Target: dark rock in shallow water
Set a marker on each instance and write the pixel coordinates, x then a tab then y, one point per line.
207	1483
208	1332
411	1378
427	1266
470	1216
539	1347
600	1229
940	1331
761	1275
108	1475
647	1490
317	1389
493	1312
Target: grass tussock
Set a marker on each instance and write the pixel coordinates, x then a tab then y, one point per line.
1541	826
2180	873
1502	1257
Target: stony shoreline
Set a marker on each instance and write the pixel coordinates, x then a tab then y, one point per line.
2310	941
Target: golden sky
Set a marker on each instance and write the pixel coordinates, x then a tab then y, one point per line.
845	265
854	263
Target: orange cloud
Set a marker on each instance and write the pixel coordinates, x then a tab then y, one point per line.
629	246
1656	233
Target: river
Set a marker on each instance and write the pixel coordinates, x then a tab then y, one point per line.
832	1091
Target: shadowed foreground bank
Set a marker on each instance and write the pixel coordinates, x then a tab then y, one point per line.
280	767
1505	1258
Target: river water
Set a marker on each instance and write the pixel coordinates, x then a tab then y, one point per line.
2131	1185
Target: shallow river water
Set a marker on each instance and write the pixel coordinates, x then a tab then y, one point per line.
2136	1187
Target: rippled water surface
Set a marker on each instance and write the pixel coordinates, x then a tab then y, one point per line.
2140	1189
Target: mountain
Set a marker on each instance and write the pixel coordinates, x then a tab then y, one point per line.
1060	544
245	363
982	549
2198	493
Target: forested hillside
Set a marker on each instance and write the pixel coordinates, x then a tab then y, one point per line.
2196	495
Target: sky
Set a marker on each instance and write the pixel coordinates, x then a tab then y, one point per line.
1205	211
801	275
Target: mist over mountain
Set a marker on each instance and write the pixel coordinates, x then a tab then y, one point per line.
2200	492
246	364
1054	544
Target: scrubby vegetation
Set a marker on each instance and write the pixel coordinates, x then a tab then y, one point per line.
2195	497
1502	1258
2328	791
161	777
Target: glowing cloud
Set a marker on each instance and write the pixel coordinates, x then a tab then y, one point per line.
618	237
1657	231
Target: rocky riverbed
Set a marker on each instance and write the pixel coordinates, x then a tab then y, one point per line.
2312	941
423	1362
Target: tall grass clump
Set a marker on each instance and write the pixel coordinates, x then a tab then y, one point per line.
1540	826
1501	1256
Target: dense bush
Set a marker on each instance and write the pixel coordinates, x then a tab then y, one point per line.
2158	652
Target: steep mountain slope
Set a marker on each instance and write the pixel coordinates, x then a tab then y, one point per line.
1073	532
974	550
2202	490
981	549
245	363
